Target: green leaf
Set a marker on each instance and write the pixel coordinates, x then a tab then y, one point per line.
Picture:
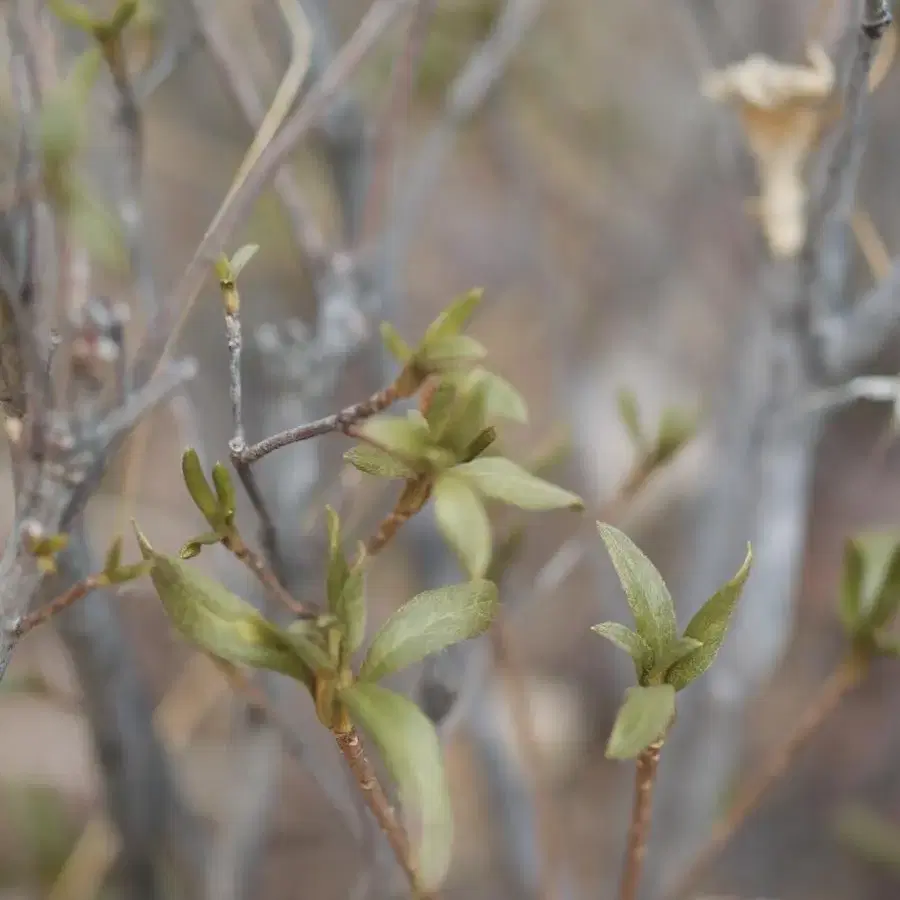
710	625
198	487
676	428
372	461
648	597
454	318
440	409
113	555
241	257
219	622
351	610
467	418
427	624
629	641
131	572
450	351
409	746
394	344
338	570
193	547
644	717
225	492
502	479
397	434
463	521
503	401
675	652
630	415
851	599
887	598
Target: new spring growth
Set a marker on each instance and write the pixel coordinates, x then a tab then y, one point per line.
228	271
870	592
664	662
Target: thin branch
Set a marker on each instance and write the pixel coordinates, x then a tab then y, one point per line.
827	257
269	580
58	604
380	15
841	682
228	57
377	801
646	766
342	421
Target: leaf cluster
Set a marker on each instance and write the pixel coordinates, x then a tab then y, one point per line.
665	662
318	653
443	448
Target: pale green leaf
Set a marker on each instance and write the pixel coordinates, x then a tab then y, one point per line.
351	610
468	417
851	596
441	406
648	597
427	624
502	479
409	747
463	521
710	625
241	257
644	718
503	401
676	428
677	650
372	461
451	351
394	344
630	415
198	486
219	622
338	570
887	597
454	318
397	434
629	641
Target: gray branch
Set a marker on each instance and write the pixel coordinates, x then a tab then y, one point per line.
766	432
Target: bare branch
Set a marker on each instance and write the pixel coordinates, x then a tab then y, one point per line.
307	234
380	16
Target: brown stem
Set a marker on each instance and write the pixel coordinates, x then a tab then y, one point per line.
415	495
644	779
843	680
339	421
57	605
257	565
379	805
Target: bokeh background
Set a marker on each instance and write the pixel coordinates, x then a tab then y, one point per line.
600	200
